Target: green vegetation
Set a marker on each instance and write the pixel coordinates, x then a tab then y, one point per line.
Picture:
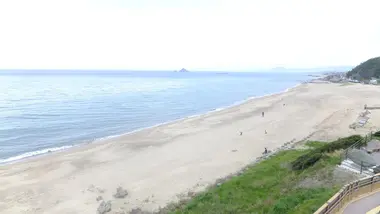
366	70
315	144
307	160
270	186
376	134
314	155
341	143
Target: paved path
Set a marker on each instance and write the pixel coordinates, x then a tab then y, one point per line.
363	205
374	210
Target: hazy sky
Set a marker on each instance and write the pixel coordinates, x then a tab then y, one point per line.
195	34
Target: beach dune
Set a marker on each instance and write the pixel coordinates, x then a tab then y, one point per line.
162	164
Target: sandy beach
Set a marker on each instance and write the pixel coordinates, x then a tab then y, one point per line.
161	164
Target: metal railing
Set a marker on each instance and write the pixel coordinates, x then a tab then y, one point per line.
349	192
358	145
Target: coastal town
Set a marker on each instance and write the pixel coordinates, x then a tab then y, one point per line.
341	77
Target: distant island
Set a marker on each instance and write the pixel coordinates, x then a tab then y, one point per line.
367	70
182	70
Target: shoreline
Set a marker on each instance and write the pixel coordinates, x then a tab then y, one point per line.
161	164
54	150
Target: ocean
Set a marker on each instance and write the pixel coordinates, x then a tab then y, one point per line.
47	111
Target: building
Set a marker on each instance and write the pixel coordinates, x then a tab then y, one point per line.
373	82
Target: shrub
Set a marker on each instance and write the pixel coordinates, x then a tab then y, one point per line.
342	143
376	169
377	134
306	160
309	159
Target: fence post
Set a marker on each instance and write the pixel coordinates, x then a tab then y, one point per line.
349	192
361	167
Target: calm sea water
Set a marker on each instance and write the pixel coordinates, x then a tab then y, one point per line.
41	112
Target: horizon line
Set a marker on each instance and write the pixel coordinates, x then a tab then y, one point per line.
190	70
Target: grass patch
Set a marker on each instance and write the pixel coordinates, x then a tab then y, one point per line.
270	186
302	201
315	144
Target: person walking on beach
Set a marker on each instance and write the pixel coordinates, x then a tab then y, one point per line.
262	114
265	150
241	133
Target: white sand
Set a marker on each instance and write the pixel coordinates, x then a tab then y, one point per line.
156	165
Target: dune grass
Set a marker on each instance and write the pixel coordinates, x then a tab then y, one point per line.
376	137
270	186
315	144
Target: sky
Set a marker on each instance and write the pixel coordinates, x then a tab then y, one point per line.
194	34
